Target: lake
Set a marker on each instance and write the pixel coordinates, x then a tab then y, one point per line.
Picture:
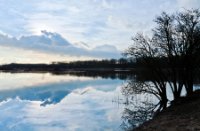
70	102
42	101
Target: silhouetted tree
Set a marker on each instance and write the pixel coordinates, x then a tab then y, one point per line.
176	39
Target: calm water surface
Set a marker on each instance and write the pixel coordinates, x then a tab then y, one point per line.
42	101
59	102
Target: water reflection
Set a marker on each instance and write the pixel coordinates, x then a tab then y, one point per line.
137	111
51	93
139	108
49	102
86	102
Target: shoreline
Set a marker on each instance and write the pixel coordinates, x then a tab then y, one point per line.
184	115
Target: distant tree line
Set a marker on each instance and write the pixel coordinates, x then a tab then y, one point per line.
111	64
105	63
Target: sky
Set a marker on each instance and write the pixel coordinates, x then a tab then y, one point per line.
42	31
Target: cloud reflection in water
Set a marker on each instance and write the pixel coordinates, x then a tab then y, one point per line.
74	105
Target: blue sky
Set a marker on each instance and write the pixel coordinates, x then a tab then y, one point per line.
89	27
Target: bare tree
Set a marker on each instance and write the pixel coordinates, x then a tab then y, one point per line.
176	39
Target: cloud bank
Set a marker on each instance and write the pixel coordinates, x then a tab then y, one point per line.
54	43
85	25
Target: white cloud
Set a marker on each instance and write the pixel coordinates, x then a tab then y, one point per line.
106	48
189	3
49	47
95	22
18	55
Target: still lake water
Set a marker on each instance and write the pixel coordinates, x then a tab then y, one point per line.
31	101
42	101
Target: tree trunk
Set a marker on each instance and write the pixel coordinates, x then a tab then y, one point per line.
189	86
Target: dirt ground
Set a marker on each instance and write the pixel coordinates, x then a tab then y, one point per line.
181	116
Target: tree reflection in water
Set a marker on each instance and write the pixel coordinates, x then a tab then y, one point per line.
140	106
